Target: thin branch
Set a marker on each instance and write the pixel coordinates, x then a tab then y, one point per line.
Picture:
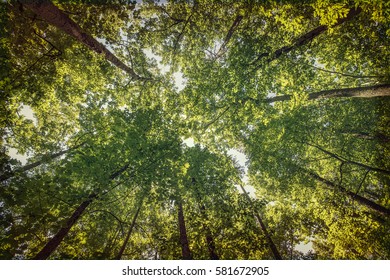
361	183
345	74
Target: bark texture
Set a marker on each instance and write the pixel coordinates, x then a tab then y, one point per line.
55	241
185	248
360	92
54	16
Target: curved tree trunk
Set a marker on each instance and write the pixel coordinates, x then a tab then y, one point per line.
270	242
30	166
51	14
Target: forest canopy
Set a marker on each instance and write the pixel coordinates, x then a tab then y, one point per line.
119	123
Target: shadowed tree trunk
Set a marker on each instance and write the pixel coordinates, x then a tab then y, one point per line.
304	39
344	160
30	166
185	248
362	200
119	256
60	235
52	15
376	136
270	242
209	236
55	241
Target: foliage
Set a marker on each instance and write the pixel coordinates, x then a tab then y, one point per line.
319	166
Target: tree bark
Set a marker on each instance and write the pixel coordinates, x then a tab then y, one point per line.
185	248
304	39
271	243
361	92
120	253
55	241
229	35
30	166
362	200
52	15
60	235
209	237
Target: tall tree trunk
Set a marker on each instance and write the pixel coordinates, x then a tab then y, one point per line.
209	237
53	243
185	248
342	159
60	235
51	14
271	243
304	39
361	92
376	136
30	166
120	253
362	200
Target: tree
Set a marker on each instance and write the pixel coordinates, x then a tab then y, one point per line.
51	14
299	91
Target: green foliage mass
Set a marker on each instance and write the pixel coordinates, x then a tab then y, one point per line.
301	88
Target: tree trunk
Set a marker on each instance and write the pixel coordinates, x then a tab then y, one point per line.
119	256
52	15
271	243
60	235
304	39
209	237
185	248
30	166
53	243
342	159
377	136
352	195
361	92
229	35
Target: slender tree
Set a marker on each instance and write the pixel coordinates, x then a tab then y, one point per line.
32	165
185	248
130	230
51	14
270	242
55	241
354	196
304	39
